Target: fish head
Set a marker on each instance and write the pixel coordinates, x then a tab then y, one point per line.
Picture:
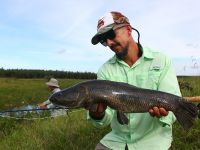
70	97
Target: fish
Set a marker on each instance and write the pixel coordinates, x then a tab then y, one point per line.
124	98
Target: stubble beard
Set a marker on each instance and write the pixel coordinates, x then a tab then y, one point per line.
121	55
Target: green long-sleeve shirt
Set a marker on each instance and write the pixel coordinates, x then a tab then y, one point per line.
152	70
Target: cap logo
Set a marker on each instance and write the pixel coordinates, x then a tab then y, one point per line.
100	23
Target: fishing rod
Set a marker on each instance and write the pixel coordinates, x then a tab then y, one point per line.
193	98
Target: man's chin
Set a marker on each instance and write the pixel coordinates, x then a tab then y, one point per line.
120	56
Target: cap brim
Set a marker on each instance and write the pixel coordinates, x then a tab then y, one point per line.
97	37
50	84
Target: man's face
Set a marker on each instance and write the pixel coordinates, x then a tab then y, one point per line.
51	88
117	41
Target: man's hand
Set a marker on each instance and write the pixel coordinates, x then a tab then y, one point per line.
158	112
97	111
42	106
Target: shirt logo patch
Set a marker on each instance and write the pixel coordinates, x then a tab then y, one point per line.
156	67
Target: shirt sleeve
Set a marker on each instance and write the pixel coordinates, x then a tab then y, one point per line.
168	83
47	102
50	105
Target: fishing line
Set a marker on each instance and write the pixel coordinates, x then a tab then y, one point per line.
36	118
30	110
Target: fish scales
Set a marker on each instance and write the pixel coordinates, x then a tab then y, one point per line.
125	98
132	101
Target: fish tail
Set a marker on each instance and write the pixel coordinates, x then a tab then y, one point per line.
186	114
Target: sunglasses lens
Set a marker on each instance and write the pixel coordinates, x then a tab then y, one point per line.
108	35
103	43
111	34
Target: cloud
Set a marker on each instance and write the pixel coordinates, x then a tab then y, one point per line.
58	33
192	45
62	51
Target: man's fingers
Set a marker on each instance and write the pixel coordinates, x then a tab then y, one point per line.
97	107
101	107
93	107
156	111
151	112
163	112
97	111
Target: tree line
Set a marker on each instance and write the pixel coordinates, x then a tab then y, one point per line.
36	73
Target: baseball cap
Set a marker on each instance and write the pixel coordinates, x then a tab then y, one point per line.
52	82
111	20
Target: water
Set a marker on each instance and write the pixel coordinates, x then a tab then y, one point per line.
32	111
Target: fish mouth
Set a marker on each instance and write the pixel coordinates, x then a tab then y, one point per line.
71	104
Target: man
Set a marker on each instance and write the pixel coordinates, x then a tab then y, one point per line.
141	67
53	87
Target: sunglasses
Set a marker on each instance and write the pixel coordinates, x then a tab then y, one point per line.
108	35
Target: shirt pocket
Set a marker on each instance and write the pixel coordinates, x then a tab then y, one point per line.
149	80
154	78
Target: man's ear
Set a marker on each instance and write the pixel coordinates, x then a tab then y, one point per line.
129	29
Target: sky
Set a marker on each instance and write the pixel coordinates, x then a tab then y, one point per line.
56	34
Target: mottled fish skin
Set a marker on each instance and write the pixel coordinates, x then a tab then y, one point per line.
124	97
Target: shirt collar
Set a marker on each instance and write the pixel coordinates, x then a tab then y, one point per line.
146	53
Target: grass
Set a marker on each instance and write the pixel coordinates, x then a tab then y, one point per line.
67	132
63	132
17	92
